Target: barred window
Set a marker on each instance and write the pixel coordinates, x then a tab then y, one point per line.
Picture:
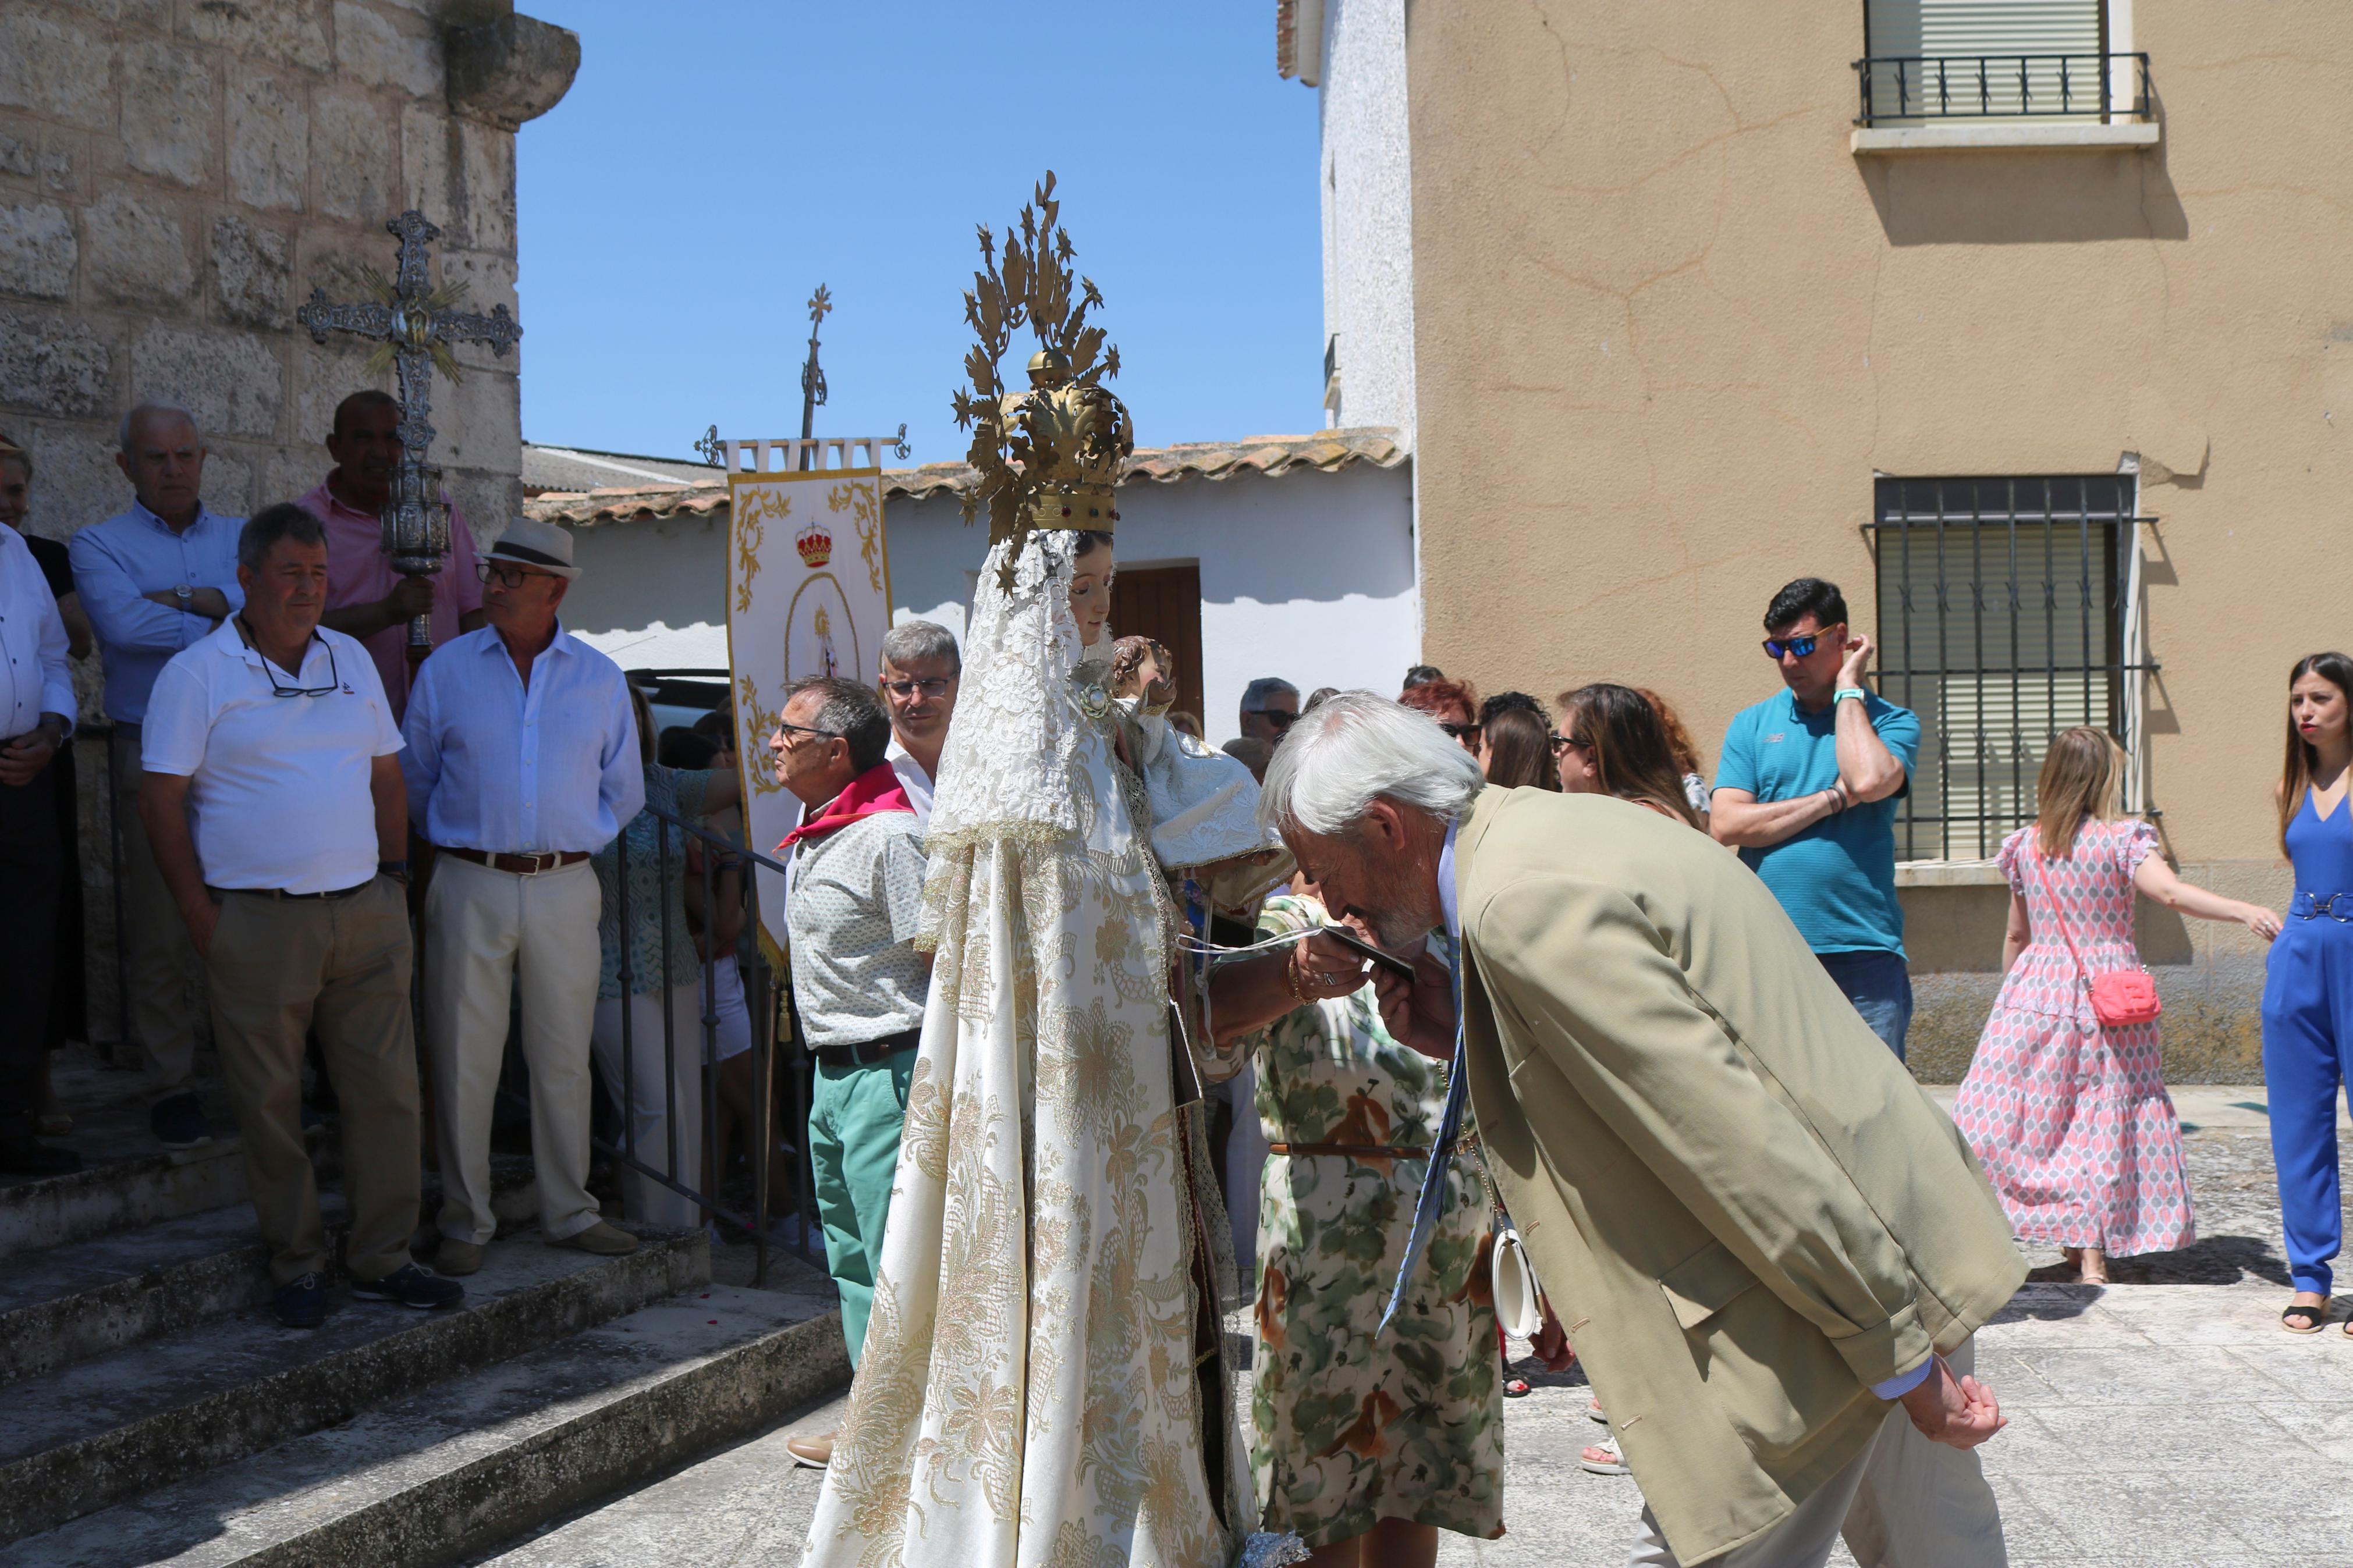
2005	616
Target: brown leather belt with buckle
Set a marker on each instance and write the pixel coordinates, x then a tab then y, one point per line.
1354	1151
520	864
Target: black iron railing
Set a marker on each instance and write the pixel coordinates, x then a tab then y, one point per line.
2092	86
2005	616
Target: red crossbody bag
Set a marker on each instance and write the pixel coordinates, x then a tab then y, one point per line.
2119	997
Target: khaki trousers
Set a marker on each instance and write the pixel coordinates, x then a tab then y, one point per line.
277	968
486	932
644	1097
160	961
1905	1502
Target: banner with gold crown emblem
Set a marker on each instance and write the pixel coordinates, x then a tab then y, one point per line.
808	592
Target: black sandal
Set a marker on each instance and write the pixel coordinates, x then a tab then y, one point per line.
2314	1315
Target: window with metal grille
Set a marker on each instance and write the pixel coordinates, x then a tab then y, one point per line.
2005	616
2008	61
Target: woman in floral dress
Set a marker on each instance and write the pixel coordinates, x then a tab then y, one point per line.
2070	1118
1366	1446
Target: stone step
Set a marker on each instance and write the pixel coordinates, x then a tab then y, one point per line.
101	1431
68	1303
90	1298
476	1460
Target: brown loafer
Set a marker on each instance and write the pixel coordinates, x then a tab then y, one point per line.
816	1453
457	1257
603	1240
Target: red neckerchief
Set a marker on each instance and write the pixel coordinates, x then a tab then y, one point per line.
871	793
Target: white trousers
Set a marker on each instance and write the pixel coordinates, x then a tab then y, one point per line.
645	1101
486	933
1903	1502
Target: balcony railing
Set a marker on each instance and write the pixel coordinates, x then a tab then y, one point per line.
2092	86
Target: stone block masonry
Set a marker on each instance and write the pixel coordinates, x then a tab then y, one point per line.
177	175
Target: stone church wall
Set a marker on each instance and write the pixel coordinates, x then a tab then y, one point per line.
175	177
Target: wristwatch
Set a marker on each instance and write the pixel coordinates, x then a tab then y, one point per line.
187	594
1843	692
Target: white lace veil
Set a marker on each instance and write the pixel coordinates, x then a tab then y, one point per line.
1010	769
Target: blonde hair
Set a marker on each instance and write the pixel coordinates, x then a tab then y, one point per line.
2083	776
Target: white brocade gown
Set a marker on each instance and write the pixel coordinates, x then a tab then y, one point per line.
1028	1394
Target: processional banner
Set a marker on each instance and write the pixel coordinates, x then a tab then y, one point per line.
808	592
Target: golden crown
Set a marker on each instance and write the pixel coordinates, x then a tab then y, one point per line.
1048	458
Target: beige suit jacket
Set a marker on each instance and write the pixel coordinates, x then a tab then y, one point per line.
1740	1203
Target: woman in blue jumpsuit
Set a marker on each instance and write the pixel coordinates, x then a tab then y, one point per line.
2308	989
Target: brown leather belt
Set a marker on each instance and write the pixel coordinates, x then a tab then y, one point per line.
520	864
1354	1151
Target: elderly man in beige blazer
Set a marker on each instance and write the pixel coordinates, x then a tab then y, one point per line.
1770	1247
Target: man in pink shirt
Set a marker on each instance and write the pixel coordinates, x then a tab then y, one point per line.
366	597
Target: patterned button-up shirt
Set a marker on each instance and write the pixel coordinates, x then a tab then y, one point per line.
855	900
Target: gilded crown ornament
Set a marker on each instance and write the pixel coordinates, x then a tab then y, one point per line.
1048	458
814	544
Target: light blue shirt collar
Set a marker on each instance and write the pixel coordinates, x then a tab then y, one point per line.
138	509
1446	884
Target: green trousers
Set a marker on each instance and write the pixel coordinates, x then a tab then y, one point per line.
855	1117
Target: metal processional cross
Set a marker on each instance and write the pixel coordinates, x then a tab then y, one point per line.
414	324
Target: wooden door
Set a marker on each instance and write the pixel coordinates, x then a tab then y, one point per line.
1164	603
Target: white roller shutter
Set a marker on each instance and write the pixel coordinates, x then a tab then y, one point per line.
1969	35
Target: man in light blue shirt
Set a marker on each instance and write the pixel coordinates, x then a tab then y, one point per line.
1806	789
521	761
153	580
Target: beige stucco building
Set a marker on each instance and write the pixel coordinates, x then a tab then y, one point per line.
1687	318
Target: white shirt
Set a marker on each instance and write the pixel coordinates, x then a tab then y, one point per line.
33	641
504	768
913	779
279	791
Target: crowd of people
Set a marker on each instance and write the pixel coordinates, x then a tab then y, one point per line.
287	771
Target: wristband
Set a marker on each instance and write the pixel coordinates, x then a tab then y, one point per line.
1857	692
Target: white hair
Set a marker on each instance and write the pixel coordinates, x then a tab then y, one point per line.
130	425
1350	749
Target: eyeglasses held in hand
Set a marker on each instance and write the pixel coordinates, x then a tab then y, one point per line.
1802	646
931	686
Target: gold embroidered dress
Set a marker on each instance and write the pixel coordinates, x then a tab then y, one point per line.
1030	1393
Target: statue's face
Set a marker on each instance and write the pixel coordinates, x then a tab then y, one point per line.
1091	577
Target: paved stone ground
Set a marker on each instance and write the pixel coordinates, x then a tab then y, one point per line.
2165	1419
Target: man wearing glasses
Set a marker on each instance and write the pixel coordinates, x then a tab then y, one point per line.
273	798
1806	790
523	761
852	913
366	597
1270	707
921	667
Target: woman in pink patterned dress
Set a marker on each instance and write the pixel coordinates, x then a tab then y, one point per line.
2070	1119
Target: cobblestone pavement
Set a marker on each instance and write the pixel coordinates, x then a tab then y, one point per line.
2164	1420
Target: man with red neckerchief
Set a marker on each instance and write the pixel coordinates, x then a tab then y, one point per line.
852	915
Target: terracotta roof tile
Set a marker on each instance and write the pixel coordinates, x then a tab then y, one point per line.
1271	456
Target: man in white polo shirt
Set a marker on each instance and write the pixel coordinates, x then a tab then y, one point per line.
521	762
921	669
274	803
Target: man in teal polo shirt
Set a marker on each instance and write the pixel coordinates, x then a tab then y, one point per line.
1806	789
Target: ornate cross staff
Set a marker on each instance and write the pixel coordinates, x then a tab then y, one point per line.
414	324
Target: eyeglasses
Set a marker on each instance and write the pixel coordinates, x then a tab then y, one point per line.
931	686
806	730
1803	647
1459	731
1563	742
505	576
334	680
1276	718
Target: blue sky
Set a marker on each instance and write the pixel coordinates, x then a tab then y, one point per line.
714	160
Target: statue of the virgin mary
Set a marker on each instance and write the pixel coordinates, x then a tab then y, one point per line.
1041	1381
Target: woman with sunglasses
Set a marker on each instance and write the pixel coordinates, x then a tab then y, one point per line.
1611	742
2308	989
1453	703
2069	1116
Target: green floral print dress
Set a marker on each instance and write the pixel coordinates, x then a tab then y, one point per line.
1350	1430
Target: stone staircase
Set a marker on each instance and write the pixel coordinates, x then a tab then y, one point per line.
152	1409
